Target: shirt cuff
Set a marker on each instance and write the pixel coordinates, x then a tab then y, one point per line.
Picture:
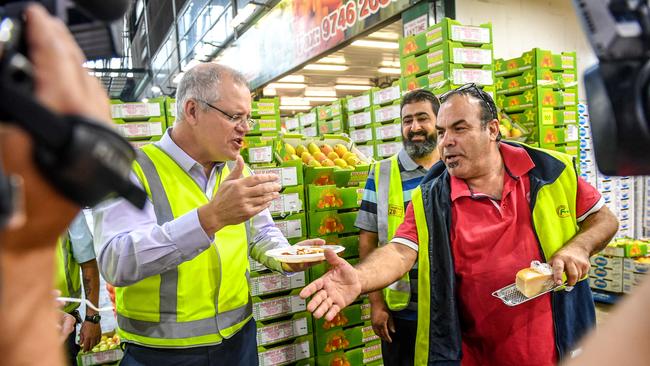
406	242
188	235
595	208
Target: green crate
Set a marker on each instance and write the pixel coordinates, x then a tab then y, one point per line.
446	30
546	116
350	243
535	58
369	354
550	136
291	201
307	119
334	125
331	222
327	198
368	149
292	124
300	350
389	131
445	54
266	124
170	109
141	111
386	95
360	102
538	97
361	135
290	173
385	150
272	332
330	111
536	77
278	306
265	107
293	226
350	316
361	118
340	339
387	114
260	149
153	128
262	284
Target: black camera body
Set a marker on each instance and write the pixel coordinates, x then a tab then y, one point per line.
85	160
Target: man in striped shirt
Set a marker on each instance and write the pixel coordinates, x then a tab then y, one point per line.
386	196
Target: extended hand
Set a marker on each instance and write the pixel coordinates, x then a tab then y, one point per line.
338	288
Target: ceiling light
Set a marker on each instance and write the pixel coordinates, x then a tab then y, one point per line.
243	15
320	99
324	92
355	81
323	67
145	100
332	60
293	101
269	92
384	35
375	44
352	87
287	85
293	79
295	107
390	63
155	89
389	70
178	77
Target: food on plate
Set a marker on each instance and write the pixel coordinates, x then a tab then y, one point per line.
300	250
531	282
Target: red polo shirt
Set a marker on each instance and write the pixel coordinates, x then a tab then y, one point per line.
492	239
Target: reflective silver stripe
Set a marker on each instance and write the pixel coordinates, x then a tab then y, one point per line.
163	211
382	183
179	330
400	285
66	260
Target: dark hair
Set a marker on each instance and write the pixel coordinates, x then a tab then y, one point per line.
488	108
420	95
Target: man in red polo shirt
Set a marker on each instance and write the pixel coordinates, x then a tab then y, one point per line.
485	212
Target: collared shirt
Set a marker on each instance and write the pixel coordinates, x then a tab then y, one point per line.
81	240
133	246
491	239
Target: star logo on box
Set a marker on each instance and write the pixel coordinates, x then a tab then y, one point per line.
563	211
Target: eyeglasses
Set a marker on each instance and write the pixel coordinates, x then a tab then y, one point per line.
479	92
236	120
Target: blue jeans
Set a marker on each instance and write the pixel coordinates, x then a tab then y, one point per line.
240	349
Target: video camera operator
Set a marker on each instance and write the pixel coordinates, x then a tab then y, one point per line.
27	317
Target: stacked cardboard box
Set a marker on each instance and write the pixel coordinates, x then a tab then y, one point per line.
538	92
360	120
292	124
447	55
387	126
307	122
331	118
620	267
619	196
266	113
586	158
140	123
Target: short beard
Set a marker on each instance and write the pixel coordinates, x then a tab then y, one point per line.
417	150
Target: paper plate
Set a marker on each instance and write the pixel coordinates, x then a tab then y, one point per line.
289	254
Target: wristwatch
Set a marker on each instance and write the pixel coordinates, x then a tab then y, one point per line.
93	318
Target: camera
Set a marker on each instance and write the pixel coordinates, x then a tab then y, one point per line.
85	160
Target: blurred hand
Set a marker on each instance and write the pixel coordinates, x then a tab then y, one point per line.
66	326
335	290
89	335
382	321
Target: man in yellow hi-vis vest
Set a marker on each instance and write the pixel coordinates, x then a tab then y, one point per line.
75	260
385	198
480	215
180	266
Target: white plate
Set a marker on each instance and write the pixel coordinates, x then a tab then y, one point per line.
288	254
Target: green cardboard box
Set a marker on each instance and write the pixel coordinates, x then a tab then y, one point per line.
265	107
350	243
292	124
153	127
553	135
293	226
386	114
154	108
390	131
289	172
360	102
260	149
272	332
275	307
350	316
320	269
361	118
342	339
327	198
386	95
361	135
262	284
334	125
369	354
571	148
170	110
444	54
446	30
307	119
301	350
331	222
309	131
330	111
460	75
547	116
536	77
535	58
538	97
265	124
368	149
291	201
385	150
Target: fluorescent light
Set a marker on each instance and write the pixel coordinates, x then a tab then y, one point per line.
325	92
243	15
293	101
178	77
384	35
352	87
269	92
323	67
332	60
295	107
389	70
287	85
320	99
375	44
293	79
355	81
145	100
390	63
155	89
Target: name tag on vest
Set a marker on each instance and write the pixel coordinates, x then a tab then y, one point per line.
394	210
